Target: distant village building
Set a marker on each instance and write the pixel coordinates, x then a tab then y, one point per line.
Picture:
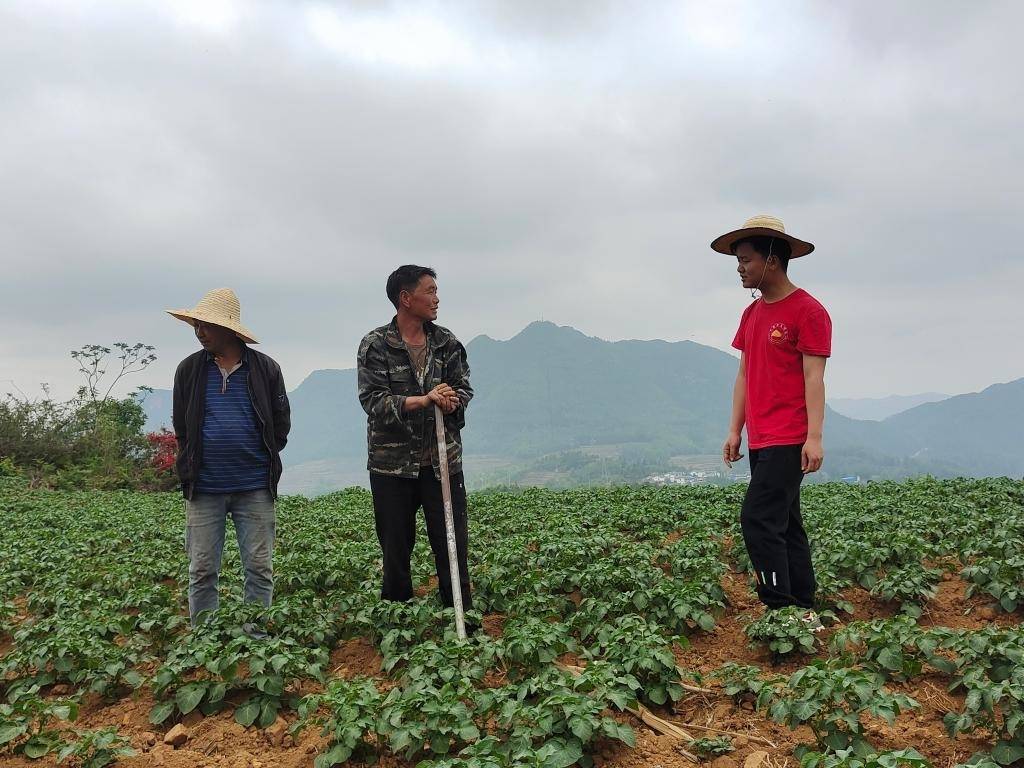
697	477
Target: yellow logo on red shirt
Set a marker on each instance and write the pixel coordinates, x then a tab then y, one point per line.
778	333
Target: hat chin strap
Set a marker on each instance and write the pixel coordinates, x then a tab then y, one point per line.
753	293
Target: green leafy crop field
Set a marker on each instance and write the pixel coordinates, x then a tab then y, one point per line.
619	629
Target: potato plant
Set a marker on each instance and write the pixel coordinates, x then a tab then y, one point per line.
588	597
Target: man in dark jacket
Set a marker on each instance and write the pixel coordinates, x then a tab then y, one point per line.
405	368
231	419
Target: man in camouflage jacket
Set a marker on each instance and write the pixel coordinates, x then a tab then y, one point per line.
405	368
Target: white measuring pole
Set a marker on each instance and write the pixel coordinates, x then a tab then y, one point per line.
449	523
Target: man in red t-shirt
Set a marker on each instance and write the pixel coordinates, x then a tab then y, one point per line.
784	338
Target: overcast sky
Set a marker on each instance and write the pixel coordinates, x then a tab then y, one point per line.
561	160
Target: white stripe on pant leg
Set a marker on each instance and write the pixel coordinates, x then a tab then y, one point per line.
774	582
763	579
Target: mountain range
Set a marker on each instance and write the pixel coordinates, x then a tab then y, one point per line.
879	408
551	395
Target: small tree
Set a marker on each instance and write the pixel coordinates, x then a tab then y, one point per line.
95	439
92	363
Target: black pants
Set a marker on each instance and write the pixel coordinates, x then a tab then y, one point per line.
395	502
773	531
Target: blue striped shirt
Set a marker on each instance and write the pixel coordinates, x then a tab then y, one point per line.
234	457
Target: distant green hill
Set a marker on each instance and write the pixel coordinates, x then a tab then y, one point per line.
979	432
550	391
327	420
878	408
552	388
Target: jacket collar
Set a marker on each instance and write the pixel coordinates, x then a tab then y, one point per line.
243	360
436	335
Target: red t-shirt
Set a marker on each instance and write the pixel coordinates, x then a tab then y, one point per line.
775	337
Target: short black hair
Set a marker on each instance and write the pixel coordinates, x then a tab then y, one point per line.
406	278
764	245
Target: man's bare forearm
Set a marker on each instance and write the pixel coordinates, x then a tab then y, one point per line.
739	404
814	395
814	392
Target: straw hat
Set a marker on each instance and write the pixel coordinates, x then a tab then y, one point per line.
762	225
219	307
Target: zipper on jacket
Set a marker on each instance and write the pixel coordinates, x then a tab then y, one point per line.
428	365
263	434
198	399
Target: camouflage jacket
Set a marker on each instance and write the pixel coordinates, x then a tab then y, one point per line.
394	438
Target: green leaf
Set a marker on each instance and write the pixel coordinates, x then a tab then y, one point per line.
246	713
582	730
11	732
217	692
619	699
161	712
836	740
565	754
860	746
68	749
890	659
399	739
189	696
1005	753
658	694
336	755
804	710
272	685
268	712
36	748
211	707
622	732
67	711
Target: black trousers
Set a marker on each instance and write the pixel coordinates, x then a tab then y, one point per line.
395	503
773	531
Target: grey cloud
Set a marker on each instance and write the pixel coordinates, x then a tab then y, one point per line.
577	170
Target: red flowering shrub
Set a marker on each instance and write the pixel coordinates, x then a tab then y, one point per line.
164	448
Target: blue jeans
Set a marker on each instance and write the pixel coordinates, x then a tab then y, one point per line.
205	520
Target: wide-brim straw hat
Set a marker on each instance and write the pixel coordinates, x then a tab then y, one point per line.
219	307
763	225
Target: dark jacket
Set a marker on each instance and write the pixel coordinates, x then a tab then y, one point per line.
269	400
394	438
